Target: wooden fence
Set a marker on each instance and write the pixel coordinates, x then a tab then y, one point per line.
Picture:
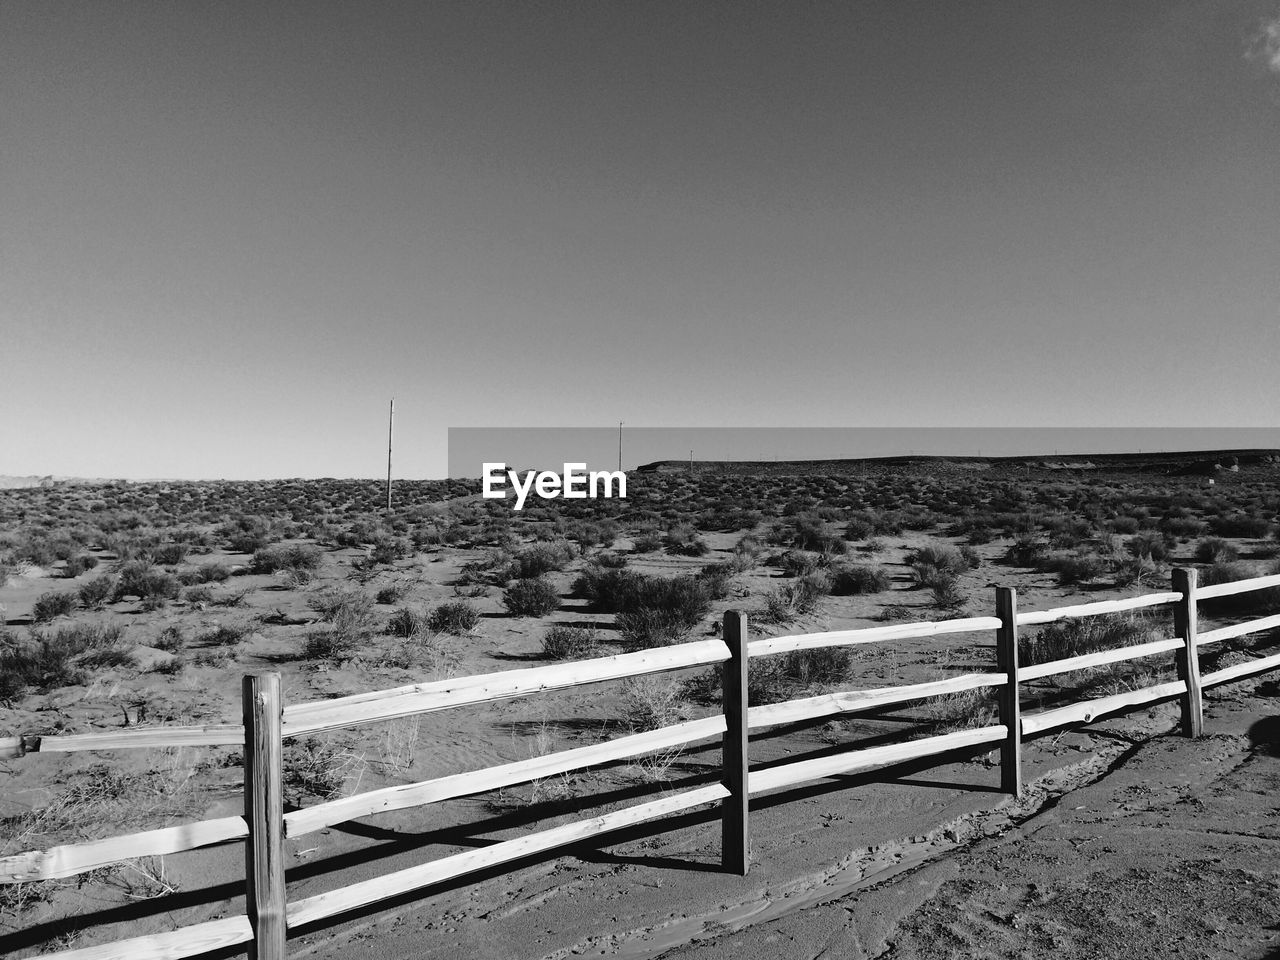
267	721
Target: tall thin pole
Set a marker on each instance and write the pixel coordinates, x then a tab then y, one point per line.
619	445
391	422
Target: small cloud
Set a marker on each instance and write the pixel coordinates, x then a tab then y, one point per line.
1264	46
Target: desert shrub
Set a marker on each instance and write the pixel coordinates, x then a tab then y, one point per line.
745	554
606	590
406	623
457	617
806	531
223	635
569	643
1074	638
857	529
946	592
316	768
387	550
78	564
541	558
821	666
933	559
168	554
33	664
786	604
953	712
233	598
205	573
1183	528
1253	603
1125	525
611	561
589	534
654	611
777	678
47	659
849	580
651	627
198	595
1148	545
348	631
140	579
1136	570
95	594
50	606
1215	550
246	534
391	594
331	604
170	639
1026	552
531	597
646	542
683	540
718	579
796	563
651	703
286	557
1078	567
1241	526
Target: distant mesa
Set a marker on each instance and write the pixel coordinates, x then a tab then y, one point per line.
20	483
1176	463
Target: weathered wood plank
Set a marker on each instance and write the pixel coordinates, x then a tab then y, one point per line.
735	840
1239	629
1186	624
1091	710
1085	661
1032	618
264	813
851	701
442	694
140	738
897	631
308	819
399	882
69	859
803	771
1238	586
1240	670
1010	701
192	941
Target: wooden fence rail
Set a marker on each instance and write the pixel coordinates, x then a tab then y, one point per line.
266	722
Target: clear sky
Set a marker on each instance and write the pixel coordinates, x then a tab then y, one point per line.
230	232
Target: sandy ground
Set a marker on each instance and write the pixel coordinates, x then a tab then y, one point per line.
1129	843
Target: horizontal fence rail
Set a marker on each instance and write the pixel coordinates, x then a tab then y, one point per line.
267	722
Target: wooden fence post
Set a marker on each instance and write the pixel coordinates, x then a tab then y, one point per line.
735	842
1186	621
1010	703
264	812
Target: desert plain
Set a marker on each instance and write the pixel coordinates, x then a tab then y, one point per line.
129	606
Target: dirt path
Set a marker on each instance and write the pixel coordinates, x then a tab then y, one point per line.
1131	842
1172	853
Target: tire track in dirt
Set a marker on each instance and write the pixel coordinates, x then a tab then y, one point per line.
863	868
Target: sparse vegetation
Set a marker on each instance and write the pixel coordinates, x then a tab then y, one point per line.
458	617
531	597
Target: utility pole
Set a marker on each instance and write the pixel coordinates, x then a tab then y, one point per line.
619	446
391	421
